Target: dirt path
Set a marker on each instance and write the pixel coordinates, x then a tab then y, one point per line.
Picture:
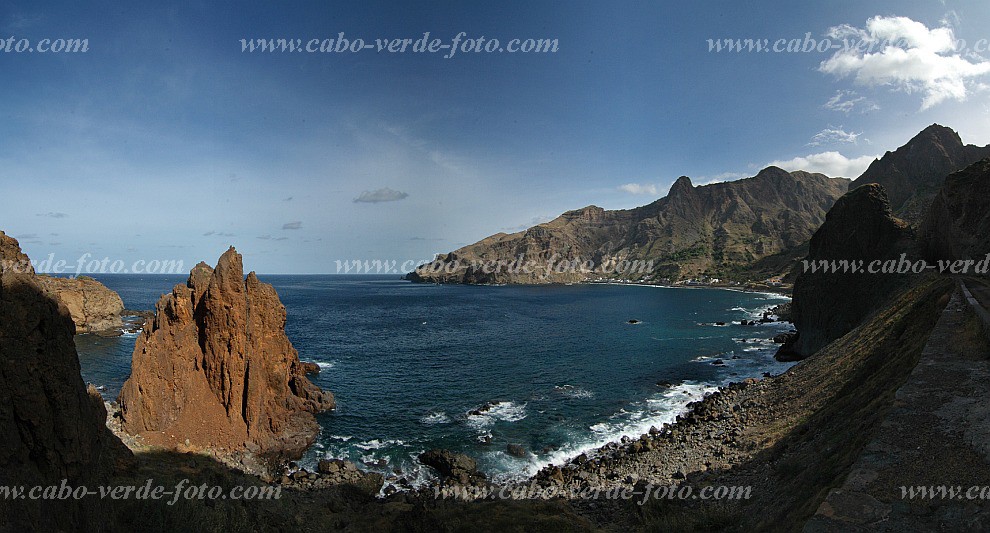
936	435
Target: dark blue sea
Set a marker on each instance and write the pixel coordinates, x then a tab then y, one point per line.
558	370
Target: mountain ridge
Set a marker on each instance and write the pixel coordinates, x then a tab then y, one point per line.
693	230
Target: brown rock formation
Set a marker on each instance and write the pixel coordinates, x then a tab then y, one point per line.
717	228
215	368
51	427
94	308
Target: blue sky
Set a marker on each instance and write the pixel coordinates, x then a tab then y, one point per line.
165	141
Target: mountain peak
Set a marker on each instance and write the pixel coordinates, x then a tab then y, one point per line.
912	173
591	212
683	184
938	134
773	172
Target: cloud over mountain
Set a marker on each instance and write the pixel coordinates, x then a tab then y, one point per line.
830	163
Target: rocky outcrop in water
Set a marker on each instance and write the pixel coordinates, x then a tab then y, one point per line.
94	308
958	224
858	230
453	467
913	174
51	427
214	369
711	228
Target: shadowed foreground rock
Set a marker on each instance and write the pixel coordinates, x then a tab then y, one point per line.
214	369
51	427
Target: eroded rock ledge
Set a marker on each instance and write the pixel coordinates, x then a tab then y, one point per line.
215	370
94	307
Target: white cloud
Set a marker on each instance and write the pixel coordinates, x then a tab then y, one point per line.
719	178
833	135
906	55
380	195
849	101
640	188
831	164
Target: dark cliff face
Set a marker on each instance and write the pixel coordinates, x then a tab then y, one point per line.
215	367
692	230
913	173
859	229
958	223
51	427
925	185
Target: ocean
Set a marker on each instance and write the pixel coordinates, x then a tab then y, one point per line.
557	370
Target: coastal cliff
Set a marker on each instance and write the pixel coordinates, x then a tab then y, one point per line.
51	427
859	229
710	229
214	369
93	307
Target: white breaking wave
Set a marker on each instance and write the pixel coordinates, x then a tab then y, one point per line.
435	417
572	391
631	421
504	411
375	444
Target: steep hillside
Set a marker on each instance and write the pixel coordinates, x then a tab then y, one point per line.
711	229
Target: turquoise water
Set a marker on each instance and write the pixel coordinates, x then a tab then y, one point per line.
559	368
